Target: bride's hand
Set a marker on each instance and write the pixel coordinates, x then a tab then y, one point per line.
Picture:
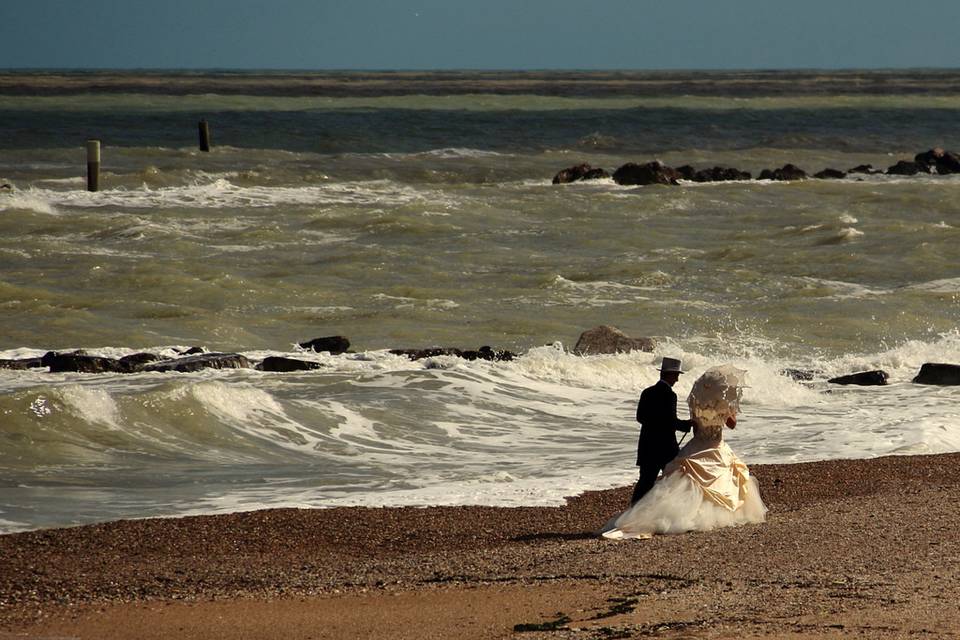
732	422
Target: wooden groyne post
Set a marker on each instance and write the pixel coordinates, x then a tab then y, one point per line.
204	128
93	165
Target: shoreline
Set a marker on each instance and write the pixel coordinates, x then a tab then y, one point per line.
865	545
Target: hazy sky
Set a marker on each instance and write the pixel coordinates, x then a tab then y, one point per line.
485	34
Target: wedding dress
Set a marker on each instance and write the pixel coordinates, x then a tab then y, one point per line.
706	486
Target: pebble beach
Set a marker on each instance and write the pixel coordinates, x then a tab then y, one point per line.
862	548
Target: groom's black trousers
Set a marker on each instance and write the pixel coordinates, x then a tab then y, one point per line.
648	476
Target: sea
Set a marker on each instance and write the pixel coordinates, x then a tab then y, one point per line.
410	210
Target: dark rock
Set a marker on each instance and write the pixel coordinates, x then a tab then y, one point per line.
938	373
938	160
907	168
801	375
137	360
21	363
720	174
595	174
487	353
687	172
191	351
830	174
420	354
606	339
80	362
642	174
6	186
483	353
784	173
579	172
189	364
334	344
865	168
863	378
279	363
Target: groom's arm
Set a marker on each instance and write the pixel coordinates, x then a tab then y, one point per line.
678	424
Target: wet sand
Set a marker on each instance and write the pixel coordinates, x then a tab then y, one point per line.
851	548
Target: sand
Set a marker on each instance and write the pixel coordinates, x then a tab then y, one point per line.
850	548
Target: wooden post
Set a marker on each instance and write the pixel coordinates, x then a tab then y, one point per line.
93	165
204	128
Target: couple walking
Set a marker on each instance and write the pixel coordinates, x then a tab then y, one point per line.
704	485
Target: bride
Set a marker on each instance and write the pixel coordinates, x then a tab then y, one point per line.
706	486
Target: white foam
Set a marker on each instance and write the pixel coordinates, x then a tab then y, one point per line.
944	285
597	293
221	193
91	405
30	200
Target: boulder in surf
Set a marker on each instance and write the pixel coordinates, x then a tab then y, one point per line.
643	174
863	378
606	339
20	363
190	364
785	173
334	344
830	174
938	373
579	172
282	364
939	160
80	362
907	168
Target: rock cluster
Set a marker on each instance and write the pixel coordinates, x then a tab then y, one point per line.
934	161
196	358
603	339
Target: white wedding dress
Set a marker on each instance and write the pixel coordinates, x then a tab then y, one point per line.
706	486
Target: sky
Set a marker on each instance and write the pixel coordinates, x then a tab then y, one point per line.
486	34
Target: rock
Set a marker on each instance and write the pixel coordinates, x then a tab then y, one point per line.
483	353
720	174
687	172
486	353
189	364
863	378
137	360
191	351
938	160
938	373
279	363
607	339
642	174
907	168
334	344
80	362
865	168
830	174
579	172
786	172
420	354
21	363
800	375
6	187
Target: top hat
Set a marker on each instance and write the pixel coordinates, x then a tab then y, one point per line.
671	365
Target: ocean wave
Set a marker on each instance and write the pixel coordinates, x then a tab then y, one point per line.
943	285
374	428
29	200
221	193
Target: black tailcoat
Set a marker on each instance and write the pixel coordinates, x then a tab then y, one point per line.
657	415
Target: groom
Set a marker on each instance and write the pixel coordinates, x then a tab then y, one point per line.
657	415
